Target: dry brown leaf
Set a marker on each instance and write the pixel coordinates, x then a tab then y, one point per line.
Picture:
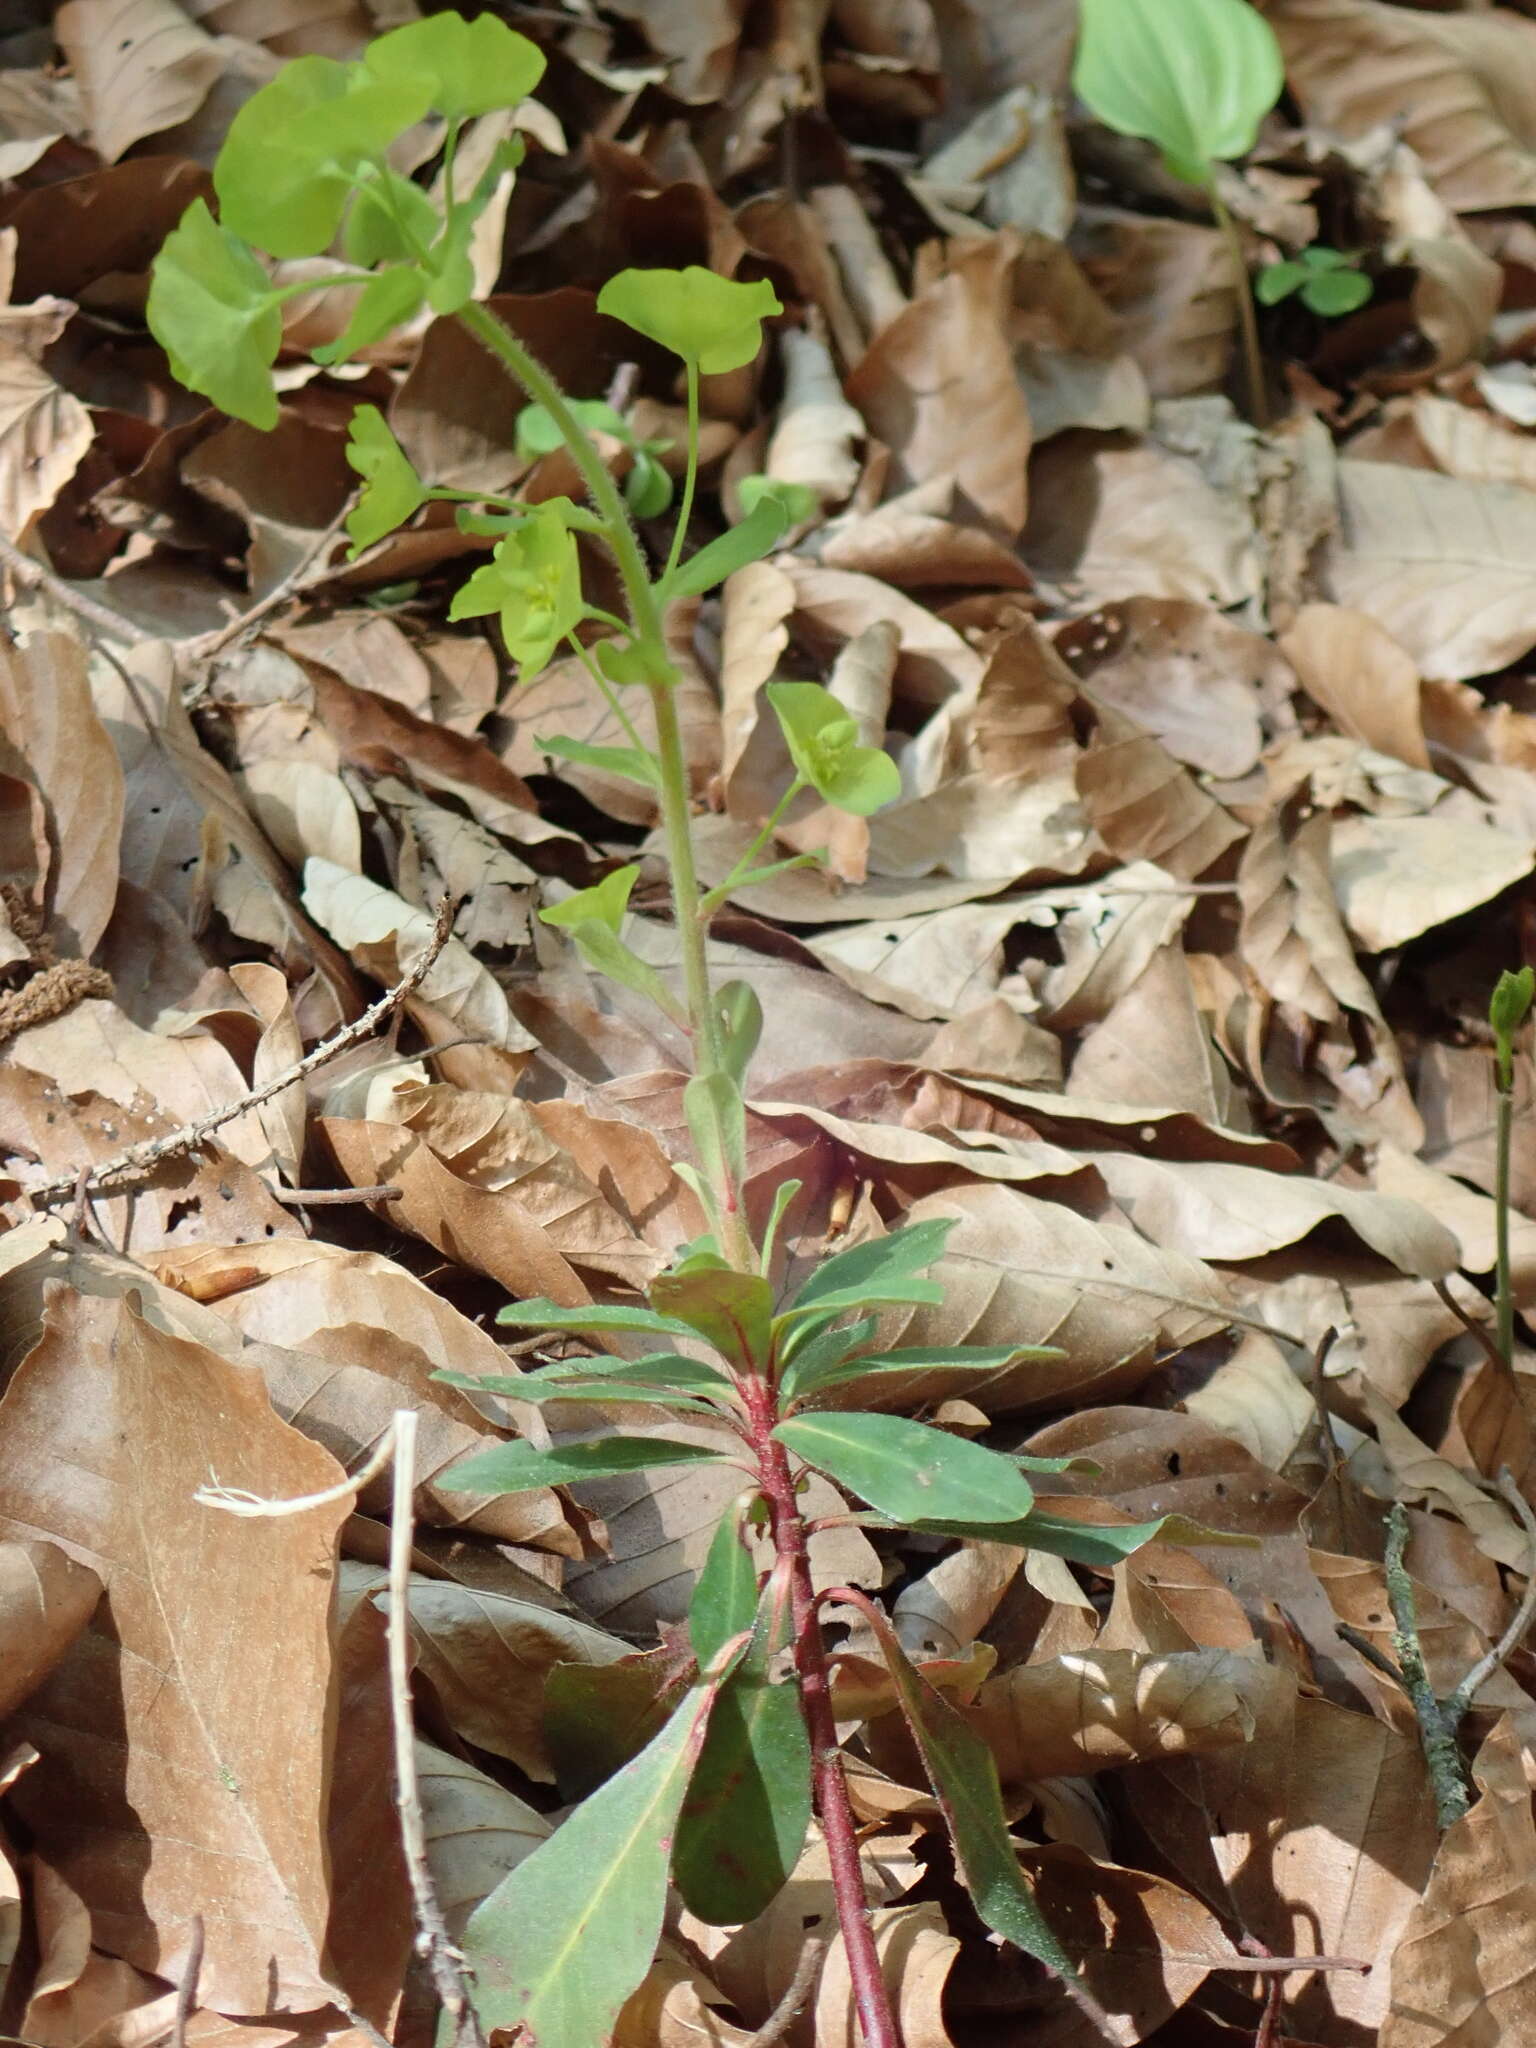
1350	665
1172	284
674	2008
916	1952
1398	877
1152	1047
1462	1968
476	1831
51	724
1144	806
938	387
46	1599
182	1762
45	431
1457	87
142	67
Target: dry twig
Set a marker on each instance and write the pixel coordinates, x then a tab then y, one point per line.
37	575
312	568
784	2014
140	1158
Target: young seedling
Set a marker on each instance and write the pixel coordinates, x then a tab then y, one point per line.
1508	1009
719	1799
1325	280
1196	77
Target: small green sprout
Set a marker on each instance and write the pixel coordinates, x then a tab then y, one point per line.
1325	280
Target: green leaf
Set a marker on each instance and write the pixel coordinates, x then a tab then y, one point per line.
296	149
819	1352
1196	78
1277	281
522	1467
628	762
597	1717
390	221
1320	257
717	1123
883	1269
636	1393
756	536
533	580
468	67
1510	1003
824	744
724	1601
392	491
606	953
798	501
539	434
704	318
1089	1543
1333	293
648	487
540	1313
660	1369
604	903
976	1358
909	1471
748	1808
730	1310
385	303
214	312
963	1775
741	1026
567	1935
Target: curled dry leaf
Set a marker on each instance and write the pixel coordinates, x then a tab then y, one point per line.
142	67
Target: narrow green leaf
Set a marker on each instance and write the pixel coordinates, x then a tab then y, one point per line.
730	1310
628	762
754	537
522	1467
976	1358
541	1313
724	1601
636	1393
820	1352
909	1471
1089	1543
1196	78
704	318
606	953
717	1123
883	1269
798	500
214	312
963	1775
741	1026
744	1821
567	1935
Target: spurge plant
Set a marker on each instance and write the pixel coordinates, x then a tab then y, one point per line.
719	1799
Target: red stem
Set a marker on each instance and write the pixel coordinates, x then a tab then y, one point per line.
877	2020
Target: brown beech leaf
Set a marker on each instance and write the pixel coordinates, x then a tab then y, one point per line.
142	67
1463	1963
917	1952
181	1760
1349	664
52	725
46	1599
1145	805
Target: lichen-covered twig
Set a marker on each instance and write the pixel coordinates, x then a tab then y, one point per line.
148	1153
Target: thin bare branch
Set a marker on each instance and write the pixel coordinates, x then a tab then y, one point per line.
140	1158
312	568
1495	1658
37	575
1480	1331
314	1198
785	2013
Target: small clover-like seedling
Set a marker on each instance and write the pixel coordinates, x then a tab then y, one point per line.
824	745
712	322
1196	77
1325	280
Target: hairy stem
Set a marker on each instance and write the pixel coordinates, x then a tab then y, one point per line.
877	2019
661	684
1504	1292
1248	320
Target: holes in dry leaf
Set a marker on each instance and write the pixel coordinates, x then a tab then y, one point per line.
1175	1464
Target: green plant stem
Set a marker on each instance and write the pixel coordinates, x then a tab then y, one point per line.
1248	319
610	695
748	860
661	685
1504	1292
690	476
872	2000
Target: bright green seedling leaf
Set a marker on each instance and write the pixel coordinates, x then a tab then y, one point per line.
648	487
605	903
538	433
974	1358
534	581
606	953
884	1269
1336	292
744	1821
566	1936
628	762
1088	1543
824	745
213	310
1508	1008
909	1471
390	220
724	1601
522	1467
592	1319
732	1311
629	661
741	1026
961	1770
798	501
469	67
783	1195
1277	281
296	149
1325	278
818	1351
392	491
385	303
1195	78
756	536
704	318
